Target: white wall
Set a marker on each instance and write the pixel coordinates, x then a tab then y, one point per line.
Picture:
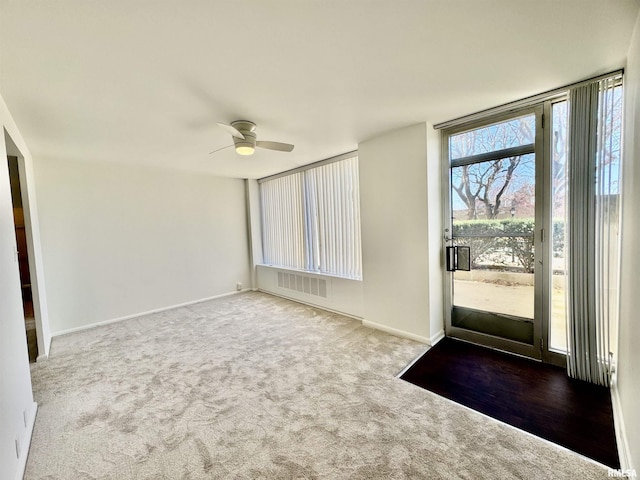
436	262
628	377
121	240
399	202
343	295
16	398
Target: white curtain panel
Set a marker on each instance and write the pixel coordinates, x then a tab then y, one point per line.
593	220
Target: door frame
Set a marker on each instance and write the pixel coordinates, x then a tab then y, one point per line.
34	248
542	244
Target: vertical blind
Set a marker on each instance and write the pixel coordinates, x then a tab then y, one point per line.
593	223
283	221
311	220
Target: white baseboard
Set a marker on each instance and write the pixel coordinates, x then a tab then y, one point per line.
435	338
41	358
366	323
24	454
315	305
621	432
397	332
142	314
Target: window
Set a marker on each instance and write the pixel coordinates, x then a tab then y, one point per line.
311	219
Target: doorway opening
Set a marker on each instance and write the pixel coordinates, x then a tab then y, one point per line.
23	257
502	229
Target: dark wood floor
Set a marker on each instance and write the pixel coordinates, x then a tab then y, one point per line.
30	328
529	395
32	340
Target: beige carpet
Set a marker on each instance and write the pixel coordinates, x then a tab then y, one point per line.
253	386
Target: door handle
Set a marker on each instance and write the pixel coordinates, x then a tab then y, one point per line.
451	259
458	258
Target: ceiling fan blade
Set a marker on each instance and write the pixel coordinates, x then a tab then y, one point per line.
281	147
222	148
232	130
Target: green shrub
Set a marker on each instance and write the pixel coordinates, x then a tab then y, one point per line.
512	236
508	237
558	237
479	235
521	246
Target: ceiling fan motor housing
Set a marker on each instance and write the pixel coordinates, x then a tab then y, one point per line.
249	140
247	129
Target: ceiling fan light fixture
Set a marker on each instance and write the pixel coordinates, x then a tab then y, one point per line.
243	133
247	144
244	149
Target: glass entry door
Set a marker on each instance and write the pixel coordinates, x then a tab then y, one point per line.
498	285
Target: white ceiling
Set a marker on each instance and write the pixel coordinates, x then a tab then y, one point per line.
145	82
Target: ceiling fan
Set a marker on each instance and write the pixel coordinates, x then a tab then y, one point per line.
244	139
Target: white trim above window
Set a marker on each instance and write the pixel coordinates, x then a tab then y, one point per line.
520	104
337	158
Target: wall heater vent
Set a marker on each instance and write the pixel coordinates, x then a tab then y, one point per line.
303	284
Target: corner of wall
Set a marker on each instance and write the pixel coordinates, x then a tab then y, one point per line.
434	203
620	429
626	391
395	231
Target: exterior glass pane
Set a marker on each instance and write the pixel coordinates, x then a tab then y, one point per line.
558	330
516	132
494	214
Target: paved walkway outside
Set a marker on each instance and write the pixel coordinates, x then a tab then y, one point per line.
512	300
